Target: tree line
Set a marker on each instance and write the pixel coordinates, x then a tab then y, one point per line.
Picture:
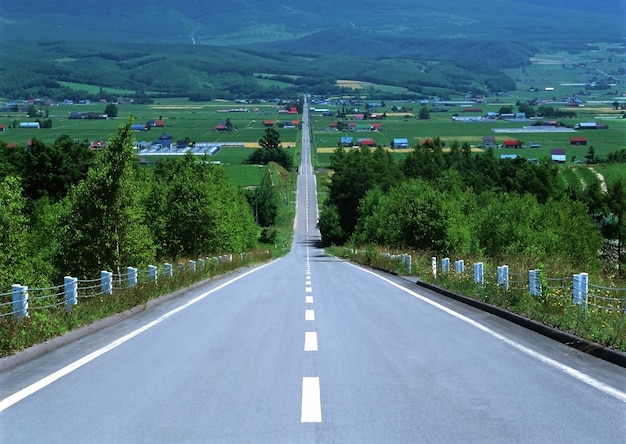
456	202
66	209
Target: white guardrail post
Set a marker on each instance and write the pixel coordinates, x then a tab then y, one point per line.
503	277
20	300
534	282
70	289
445	265
459	266
106	282
580	289
132	276
152	273
479	276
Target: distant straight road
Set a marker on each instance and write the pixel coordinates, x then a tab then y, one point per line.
311	349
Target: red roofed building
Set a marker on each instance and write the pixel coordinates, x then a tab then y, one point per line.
578	141
511	143
268	123
97	145
366	142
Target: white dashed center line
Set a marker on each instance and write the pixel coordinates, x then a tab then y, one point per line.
311	403
310	341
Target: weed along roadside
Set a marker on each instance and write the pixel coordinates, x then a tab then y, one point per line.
37	319
572	310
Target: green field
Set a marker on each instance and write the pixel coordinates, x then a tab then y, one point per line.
183	119
93	89
441	125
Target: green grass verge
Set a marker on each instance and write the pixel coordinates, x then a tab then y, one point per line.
554	307
45	324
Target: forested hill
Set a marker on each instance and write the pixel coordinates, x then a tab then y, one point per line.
228	49
239	22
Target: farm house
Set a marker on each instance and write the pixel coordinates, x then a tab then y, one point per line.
578	141
511	143
400	143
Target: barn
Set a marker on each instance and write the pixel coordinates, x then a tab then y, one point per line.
511	143
578	141
558	155
366	142
400	143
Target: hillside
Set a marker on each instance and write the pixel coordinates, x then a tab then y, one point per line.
207	50
206	72
248	21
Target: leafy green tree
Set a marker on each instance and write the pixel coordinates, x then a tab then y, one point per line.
265	202
526	109
32	111
271	151
229	125
111	110
415	215
354	174
616	202
103	219
13	235
329	225
424	114
425	163
270	140
197	210
50	170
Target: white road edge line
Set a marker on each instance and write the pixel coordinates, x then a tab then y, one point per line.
583	377
44	382
311	403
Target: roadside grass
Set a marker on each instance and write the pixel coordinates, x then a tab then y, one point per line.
42	325
554	307
570	180
611	172
587	176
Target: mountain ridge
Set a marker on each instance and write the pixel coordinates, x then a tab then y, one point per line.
248	22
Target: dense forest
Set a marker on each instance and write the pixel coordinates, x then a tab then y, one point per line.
293	23
206	73
455	202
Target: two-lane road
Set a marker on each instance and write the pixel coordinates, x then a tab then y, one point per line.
312	349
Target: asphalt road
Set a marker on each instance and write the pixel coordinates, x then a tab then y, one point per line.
311	349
